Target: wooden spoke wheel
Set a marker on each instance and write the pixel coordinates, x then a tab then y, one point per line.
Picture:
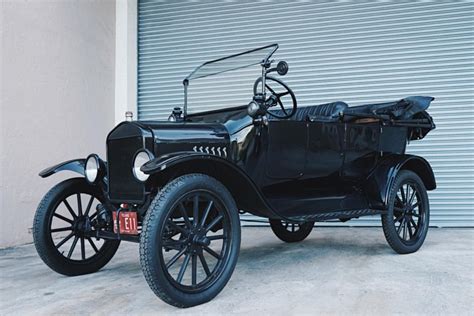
406	222
62	229
190	240
291	231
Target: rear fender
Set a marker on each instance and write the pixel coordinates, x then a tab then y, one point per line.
380	181
246	193
75	165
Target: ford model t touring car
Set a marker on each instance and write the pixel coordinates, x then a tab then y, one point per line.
177	186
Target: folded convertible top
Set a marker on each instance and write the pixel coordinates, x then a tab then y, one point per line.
403	109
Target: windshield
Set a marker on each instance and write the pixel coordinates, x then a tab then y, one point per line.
233	62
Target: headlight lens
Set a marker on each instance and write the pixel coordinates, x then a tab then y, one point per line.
141	158
91	169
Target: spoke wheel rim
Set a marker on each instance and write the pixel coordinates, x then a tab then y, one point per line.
409	215
195	260
291	227
76	220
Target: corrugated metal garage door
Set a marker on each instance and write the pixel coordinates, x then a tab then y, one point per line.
355	52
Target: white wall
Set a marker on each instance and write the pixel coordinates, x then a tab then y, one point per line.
125	59
56	97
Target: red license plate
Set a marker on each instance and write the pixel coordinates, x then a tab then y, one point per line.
128	223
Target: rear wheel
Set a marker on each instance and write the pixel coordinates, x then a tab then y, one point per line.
291	232
190	240
406	223
61	221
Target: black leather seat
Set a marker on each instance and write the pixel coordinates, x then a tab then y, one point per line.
324	112
331	112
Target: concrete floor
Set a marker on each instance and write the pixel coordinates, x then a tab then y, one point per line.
334	271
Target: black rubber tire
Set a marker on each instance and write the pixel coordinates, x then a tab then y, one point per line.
281	231
388	222
42	235
150	240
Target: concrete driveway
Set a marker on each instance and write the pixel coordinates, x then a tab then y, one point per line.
334	271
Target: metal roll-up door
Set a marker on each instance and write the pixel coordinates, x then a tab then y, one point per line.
357	52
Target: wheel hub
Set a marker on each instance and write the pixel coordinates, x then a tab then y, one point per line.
81	225
203	241
408	210
197	239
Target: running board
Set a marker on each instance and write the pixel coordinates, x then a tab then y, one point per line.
342	215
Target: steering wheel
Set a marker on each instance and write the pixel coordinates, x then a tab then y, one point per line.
277	97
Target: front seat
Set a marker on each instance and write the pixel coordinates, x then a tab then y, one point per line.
329	112
323	112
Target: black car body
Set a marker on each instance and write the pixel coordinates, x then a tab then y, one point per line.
285	169
313	163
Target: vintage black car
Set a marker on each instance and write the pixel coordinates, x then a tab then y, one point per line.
177	187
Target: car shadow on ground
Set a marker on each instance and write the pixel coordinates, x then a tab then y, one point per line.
278	253
317	247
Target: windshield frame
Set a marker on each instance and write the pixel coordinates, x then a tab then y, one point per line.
264	62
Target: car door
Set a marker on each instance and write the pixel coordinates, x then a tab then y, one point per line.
286	149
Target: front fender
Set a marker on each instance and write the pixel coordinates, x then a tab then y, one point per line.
380	181
246	193
170	160
76	165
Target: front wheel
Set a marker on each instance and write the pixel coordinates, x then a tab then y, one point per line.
406	223
291	232
61	225
190	240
